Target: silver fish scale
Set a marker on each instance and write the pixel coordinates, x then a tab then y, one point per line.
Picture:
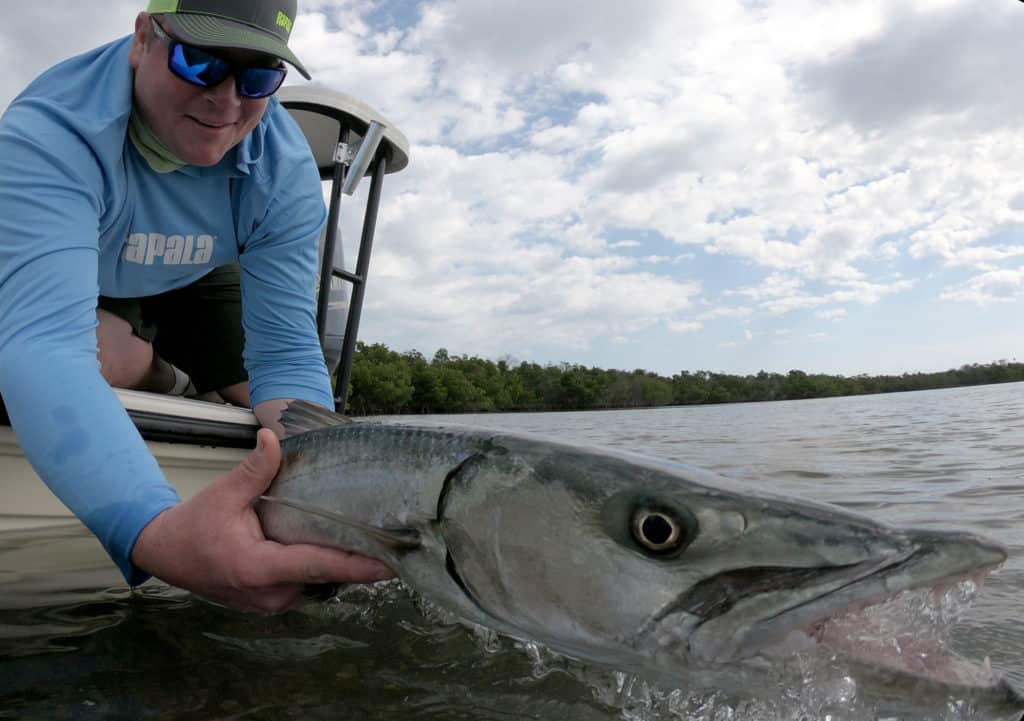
380	444
382	474
535	542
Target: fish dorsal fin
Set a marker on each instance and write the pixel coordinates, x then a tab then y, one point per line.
303	416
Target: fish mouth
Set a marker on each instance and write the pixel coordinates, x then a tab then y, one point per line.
907	632
869	614
904	642
906	635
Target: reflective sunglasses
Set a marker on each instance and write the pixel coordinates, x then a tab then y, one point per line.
199	67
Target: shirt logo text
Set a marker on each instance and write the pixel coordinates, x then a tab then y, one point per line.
146	248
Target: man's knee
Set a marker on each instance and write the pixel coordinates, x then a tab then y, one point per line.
125	359
236	394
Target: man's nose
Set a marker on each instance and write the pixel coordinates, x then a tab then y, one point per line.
225	93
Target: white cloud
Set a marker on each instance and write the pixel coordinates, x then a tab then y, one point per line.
996	286
773	286
726	312
779	294
924	60
832	314
684	326
583	174
36	36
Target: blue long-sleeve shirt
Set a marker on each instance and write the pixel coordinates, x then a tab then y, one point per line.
82	214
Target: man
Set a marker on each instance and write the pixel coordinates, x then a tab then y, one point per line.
134	178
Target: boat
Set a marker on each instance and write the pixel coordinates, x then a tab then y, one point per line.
197	440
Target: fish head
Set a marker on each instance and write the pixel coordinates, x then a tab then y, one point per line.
654	567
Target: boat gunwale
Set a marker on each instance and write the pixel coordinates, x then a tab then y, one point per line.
171	419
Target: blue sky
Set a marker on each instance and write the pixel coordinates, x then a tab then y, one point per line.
670	185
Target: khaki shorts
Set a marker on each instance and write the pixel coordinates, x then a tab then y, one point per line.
198	328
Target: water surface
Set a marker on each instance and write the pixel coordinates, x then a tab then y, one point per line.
75	644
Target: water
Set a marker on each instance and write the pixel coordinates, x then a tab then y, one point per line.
76	644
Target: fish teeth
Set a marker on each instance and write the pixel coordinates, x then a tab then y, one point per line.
672	637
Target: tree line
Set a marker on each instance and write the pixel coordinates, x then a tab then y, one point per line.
387	382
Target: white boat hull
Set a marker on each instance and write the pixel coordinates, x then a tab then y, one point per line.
40	538
29	504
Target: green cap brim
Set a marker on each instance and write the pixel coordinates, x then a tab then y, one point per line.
208	31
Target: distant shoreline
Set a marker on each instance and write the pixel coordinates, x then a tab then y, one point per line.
385	382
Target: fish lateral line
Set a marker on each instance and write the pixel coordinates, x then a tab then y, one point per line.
402	539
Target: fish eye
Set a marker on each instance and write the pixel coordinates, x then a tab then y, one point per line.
658	531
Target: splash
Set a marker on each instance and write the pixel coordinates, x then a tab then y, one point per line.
910	633
800	682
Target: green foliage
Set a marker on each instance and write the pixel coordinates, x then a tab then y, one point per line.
386	382
381	381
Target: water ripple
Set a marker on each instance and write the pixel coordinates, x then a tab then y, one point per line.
73	648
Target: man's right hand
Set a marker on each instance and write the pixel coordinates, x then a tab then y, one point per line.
213	545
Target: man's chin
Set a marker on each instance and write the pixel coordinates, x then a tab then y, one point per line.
203	158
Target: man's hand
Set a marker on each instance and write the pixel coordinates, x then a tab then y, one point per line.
213	545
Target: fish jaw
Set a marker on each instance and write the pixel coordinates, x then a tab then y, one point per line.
929	559
824	617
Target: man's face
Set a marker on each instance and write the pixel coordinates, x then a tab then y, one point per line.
198	125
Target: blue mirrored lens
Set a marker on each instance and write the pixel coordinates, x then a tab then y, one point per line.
259	82
199	67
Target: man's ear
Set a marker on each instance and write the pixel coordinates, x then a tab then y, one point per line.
140	40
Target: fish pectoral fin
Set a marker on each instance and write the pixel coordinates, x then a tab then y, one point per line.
302	416
401	539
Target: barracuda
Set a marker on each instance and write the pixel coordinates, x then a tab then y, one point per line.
643	566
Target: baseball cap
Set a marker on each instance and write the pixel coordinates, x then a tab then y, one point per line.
260	25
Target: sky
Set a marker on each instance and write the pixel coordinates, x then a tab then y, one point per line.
733	186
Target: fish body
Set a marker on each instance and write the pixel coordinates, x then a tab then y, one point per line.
631	563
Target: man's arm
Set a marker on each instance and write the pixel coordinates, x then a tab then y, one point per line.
279	264
71	425
268	413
